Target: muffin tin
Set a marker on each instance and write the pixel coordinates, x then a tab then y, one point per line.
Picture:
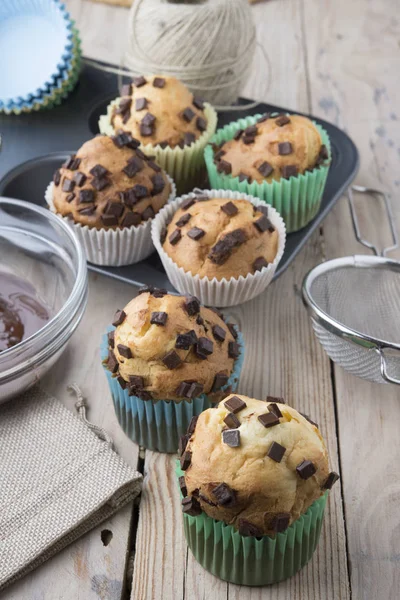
55	134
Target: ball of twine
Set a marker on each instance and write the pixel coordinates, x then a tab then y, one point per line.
207	44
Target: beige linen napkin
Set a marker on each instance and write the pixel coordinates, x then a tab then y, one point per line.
58	480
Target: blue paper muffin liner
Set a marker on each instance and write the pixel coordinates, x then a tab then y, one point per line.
158	424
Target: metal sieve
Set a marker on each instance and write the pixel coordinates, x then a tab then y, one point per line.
354	305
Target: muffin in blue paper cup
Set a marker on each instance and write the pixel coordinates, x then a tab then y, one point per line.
254	481
167	359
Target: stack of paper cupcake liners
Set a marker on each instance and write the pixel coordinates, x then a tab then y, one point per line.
63	80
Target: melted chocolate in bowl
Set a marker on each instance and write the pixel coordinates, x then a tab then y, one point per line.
22	312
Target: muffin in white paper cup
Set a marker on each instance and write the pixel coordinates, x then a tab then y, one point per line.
112	247
220	291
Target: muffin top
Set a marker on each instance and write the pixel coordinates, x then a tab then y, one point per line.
169	347
252	464
275	147
109	183
160	110
221	238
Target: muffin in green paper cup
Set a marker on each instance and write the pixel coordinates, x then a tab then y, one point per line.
167	359
254	481
281	159
169	122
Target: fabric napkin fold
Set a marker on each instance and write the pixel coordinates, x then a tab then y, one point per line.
58	480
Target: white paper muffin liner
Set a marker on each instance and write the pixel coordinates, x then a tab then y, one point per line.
211	291
112	247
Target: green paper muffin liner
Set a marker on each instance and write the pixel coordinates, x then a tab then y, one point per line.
158	424
297	199
221	550
184	165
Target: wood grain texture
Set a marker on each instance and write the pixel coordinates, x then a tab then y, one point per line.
88	569
353	55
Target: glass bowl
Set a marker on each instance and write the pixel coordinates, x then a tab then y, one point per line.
37	246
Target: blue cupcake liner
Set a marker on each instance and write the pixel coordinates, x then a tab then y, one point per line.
158	425
57	13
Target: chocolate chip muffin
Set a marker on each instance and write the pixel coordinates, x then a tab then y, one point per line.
219	238
110	184
160	111
275	147
169	347
254	465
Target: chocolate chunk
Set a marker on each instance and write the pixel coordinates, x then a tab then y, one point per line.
185	460
148	213
183	441
114	208
306	469
185	340
200	321
70	197
189	138
109	220
126	89
136	382
230	209
158	184
248	139
238	134
224	495
139	81
265	117
125	139
182	485
79	178
259	263
223	249
282	120
148	120
163	144
247	529
98	171
219	155
219	333
201	124
68	185
146	130
289	171
276	452
158	82
131	218
235	404
121	382
112	363
72	163
191	304
244	177
233	350
158	318
275	399
159	292
224	167
274	408
285	148
119	318
175	237
231	437
198	103
183	220
99	183
128	197
140	103
265	169
133	167
187	203
188	114
140	191
280	522
268	419
323	153
232	329
204	347
196	233
88	211
171	360
146	289
232	421
124	106
124	351
192	425
189	389
67	164
191	506
219	381
252	130
110	337
57	177
143	395
330	481
264	224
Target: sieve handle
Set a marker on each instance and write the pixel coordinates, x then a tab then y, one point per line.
384	371
389	213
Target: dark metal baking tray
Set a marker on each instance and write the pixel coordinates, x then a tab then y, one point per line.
34	145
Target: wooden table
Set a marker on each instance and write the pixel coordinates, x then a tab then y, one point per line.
341	61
